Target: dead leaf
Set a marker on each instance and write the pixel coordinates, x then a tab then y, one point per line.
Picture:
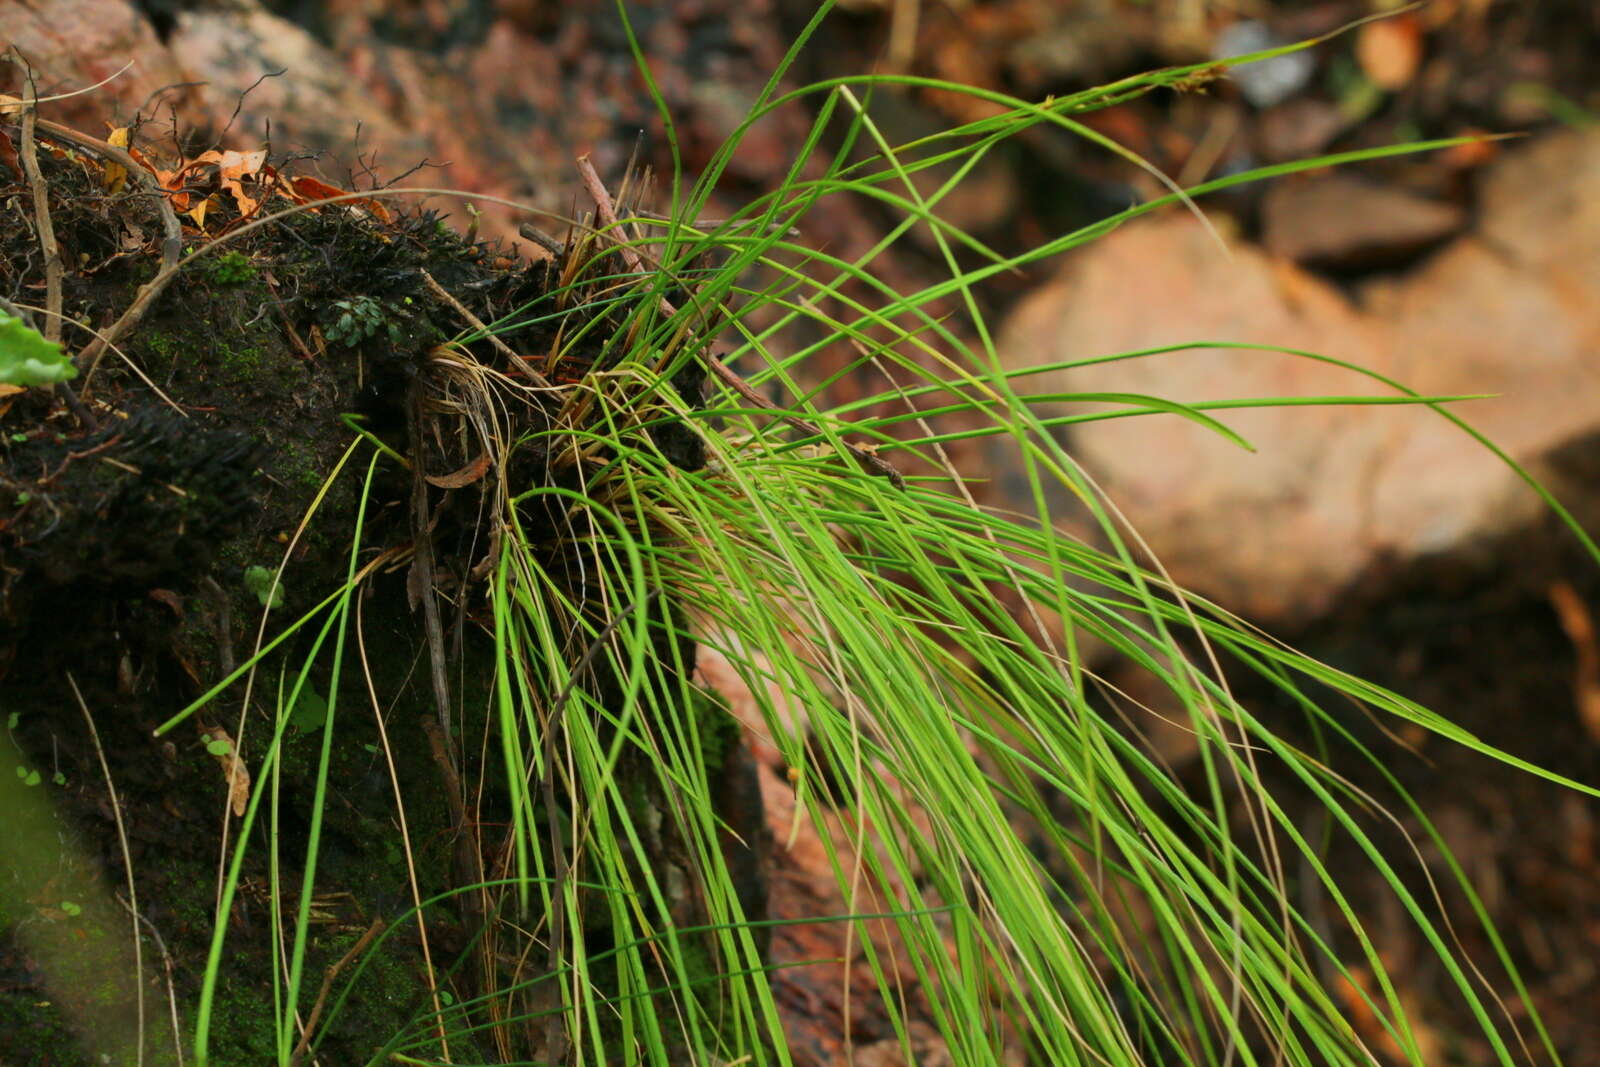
169	598
1390	51
304	190
198	212
8	154
233	168
233	768
114	176
465	476
1579	627
140	158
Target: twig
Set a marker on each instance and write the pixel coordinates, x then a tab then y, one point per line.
469	855
171	245
327	985
47	245
542	239
172	991
477	324
405	835
127	861
608	215
41	213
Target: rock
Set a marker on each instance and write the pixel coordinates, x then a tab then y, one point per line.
72	44
1332	491
1342	222
1299	127
1264	82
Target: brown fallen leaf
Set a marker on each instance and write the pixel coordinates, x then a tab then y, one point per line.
232	168
306	189
169	598
463	477
222	749
8	154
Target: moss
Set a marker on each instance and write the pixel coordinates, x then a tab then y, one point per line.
36	1032
299	467
231	268
242	1028
160	351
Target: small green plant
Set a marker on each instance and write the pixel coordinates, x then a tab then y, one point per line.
259	580
232	268
26	358
359	318
310	710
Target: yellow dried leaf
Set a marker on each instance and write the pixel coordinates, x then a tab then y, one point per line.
198	212
115	175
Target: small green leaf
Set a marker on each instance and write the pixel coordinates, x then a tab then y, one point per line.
26	358
32	779
71	909
310	711
259	581
218	748
58	778
19	438
12	720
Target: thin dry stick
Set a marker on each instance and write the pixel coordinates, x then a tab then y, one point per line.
41	213
405	832
132	366
477	324
469	854
327	985
543	240
47	245
127	860
602	203
172	991
171	244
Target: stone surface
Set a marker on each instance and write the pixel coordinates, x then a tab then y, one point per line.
1345	223
72	44
1333	491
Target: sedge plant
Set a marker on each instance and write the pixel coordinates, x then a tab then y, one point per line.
1017	868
